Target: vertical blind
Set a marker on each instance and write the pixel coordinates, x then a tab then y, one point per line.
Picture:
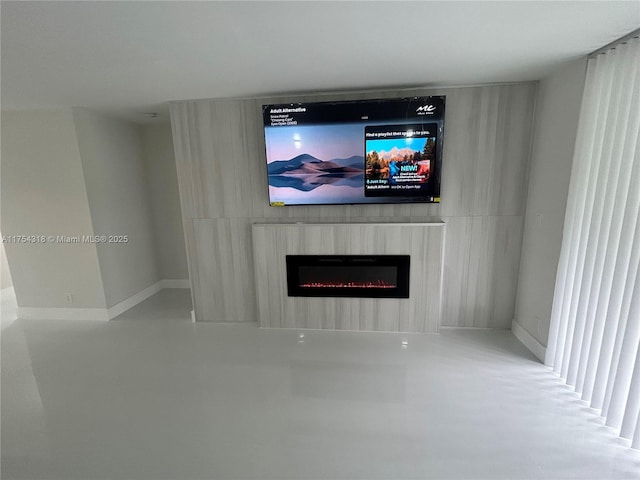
595	320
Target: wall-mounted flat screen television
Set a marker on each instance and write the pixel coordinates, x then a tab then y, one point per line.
373	151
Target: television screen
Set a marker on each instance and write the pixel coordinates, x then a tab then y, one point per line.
373	151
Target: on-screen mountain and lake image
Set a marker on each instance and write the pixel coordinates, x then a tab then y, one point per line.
306	173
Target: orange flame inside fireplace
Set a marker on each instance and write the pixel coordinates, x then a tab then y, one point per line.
376	284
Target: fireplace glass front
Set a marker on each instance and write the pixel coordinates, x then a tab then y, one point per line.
372	276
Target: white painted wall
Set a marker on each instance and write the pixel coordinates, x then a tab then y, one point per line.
118	197
556	123
43	193
160	170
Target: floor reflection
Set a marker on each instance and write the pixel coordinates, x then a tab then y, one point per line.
153	396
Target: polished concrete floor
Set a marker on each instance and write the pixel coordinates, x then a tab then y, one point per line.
151	395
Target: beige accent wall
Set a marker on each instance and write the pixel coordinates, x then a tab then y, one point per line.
160	171
43	193
556	124
5	273
118	198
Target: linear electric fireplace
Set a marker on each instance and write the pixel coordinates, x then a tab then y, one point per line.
371	276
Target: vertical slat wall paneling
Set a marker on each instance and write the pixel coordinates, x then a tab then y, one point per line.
190	248
508	245
220	157
420	313
184	159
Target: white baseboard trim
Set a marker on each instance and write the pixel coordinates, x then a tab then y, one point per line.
101	314
175	283
133	300
528	340
445	327
36	313
7	292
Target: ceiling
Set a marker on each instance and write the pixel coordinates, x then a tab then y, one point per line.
126	58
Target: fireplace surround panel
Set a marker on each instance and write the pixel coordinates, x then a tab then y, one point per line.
337	285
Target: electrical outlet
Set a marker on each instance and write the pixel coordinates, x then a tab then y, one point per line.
68	298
